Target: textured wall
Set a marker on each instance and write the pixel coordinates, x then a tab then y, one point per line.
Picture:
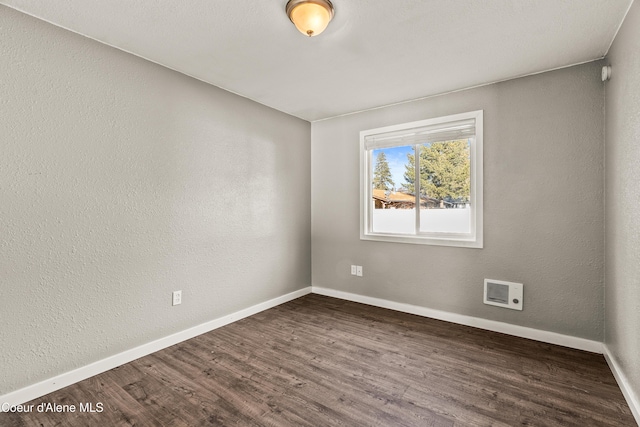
543	206
623	200
121	181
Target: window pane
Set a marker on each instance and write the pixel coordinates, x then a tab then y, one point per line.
445	169
396	221
392	204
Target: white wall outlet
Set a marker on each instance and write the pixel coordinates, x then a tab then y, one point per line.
353	270
177	298
359	270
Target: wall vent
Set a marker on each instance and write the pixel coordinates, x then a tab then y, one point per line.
503	294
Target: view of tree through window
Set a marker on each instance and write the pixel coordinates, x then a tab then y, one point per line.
421	182
382	174
444	185
444	171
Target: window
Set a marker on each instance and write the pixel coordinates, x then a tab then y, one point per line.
421	182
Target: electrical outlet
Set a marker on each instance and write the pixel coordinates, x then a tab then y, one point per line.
359	270
354	271
177	298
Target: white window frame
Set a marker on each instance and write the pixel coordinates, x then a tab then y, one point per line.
474	239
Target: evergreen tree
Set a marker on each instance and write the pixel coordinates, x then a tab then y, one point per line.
382	174
444	170
410	173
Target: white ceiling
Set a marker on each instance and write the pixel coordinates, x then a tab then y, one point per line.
373	53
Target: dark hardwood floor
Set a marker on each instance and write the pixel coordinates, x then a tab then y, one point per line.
319	361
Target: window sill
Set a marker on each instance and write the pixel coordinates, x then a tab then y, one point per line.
419	240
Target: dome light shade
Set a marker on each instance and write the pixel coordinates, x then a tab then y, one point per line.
310	17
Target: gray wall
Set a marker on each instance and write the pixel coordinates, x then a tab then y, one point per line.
121	181
622	335
543	206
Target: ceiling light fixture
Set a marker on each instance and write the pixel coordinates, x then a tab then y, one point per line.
310	17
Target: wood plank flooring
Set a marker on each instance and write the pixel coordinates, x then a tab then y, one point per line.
319	361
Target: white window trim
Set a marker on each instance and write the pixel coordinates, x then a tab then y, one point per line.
471	240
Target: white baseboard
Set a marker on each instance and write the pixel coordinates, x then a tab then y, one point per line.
491	325
632	399
50	385
63	380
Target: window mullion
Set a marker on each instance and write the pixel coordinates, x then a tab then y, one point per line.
369	194
416	185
